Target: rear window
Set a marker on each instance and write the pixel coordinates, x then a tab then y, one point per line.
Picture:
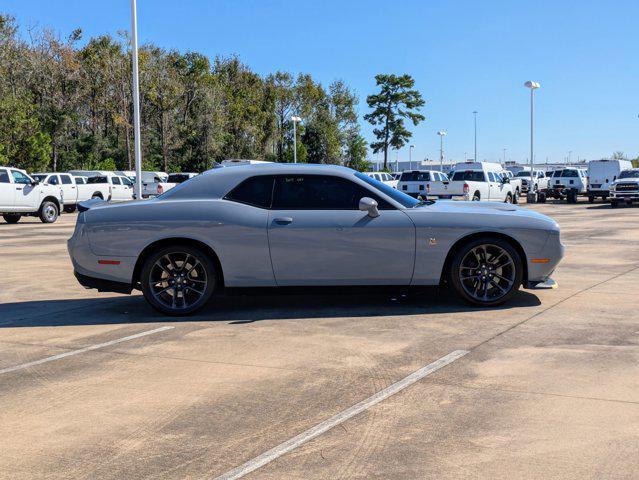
469	176
177	178
97	180
569	173
415	177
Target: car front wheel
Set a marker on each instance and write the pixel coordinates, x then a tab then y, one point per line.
178	280
11	217
486	272
48	212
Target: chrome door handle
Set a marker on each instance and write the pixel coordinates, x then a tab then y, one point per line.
283	220
19	188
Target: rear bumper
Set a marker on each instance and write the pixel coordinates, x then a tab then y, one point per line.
102	285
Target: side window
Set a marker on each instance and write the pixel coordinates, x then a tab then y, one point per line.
79	180
53	180
126	181
491	177
255	191
115	180
19	177
66	180
320	192
4	176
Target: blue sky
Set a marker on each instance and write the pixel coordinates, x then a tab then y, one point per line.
464	55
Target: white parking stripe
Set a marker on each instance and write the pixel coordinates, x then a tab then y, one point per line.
341	417
85	349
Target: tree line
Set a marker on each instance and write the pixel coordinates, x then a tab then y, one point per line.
66	103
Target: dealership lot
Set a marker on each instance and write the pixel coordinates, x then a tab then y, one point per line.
549	387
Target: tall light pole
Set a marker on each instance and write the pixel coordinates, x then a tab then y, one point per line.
410	156
137	146
533	86
475	114
295	120
504	161
441	134
569	156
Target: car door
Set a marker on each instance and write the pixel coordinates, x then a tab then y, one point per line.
26	194
69	190
127	188
318	235
7	190
117	189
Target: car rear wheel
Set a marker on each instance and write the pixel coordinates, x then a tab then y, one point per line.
486	272
69	208
48	212
178	280
11	217
509	199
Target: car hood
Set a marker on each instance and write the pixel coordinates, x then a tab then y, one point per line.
484	214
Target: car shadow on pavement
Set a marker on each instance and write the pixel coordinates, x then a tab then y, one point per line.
242	309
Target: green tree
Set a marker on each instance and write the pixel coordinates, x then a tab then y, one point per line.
397	100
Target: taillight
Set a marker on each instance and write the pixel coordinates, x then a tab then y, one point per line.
466	188
160	190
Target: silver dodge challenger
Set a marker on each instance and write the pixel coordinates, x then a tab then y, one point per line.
284	225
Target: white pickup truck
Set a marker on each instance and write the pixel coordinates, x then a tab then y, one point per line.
111	187
159	186
540	180
625	188
21	195
74	189
424	183
481	181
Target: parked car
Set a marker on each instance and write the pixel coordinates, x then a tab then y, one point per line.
601	173
74	189
568	184
383	177
287	225
625	188
153	189
22	195
480	181
111	187
540	181
424	184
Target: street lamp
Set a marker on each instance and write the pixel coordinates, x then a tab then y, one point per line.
410	156
441	134
504	161
295	120
137	147
533	86
475	114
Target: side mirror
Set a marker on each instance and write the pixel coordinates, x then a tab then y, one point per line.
35	182
505	180
367	204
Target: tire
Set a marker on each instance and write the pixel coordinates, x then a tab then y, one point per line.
70	208
495	252
96	195
164	283
541	197
571	197
591	199
476	197
48	212
614	203
516	198
11	217
509	199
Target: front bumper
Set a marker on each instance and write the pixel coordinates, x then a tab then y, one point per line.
627	195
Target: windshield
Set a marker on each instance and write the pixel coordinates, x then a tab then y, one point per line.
469	176
405	200
629	174
523	174
569	173
415	177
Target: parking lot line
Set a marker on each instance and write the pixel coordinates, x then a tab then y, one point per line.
341	417
85	349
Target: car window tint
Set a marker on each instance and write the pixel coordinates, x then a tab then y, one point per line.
115	181
255	191
79	180
53	180
97	180
4	176
415	177
66	179
320	192
126	181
